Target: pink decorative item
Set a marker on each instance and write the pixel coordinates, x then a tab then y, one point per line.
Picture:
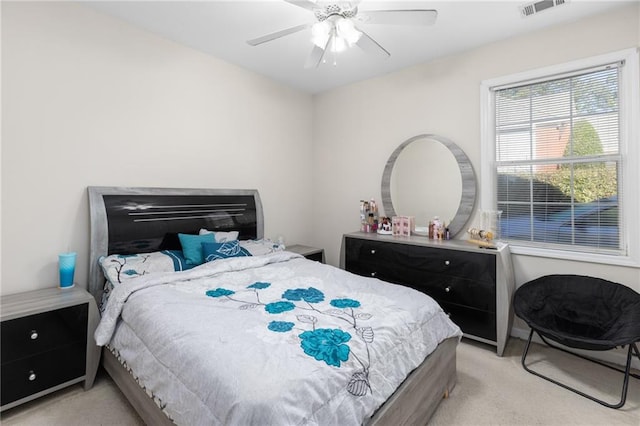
403	225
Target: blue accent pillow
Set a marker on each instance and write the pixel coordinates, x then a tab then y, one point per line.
192	247
215	251
179	262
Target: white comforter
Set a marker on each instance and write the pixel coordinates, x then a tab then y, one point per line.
270	340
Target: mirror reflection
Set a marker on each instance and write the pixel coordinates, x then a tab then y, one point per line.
426	182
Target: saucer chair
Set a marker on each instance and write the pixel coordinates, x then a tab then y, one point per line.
581	312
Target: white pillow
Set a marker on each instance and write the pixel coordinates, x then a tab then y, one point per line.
261	247
221	237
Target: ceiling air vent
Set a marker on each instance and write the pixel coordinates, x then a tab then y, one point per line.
539	6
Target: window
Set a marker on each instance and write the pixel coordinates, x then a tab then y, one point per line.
560	157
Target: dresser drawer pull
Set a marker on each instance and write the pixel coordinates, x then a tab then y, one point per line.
34	335
373	251
32	376
373	274
446	262
447	289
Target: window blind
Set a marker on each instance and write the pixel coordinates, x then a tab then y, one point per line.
558	160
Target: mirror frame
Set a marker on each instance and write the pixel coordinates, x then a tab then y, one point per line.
468	196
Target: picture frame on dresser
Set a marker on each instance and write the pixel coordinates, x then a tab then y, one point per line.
473	285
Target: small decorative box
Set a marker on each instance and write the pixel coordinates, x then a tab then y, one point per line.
403	225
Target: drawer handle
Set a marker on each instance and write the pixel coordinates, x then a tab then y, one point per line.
32	376
373	251
447	289
373	274
446	262
34	335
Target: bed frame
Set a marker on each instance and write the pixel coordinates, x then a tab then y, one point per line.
137	220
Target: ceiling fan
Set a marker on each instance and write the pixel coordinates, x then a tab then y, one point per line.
337	27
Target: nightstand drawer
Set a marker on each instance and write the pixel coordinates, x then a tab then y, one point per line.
317	256
311	253
33	374
34	334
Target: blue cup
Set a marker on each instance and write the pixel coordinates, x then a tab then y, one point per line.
67	267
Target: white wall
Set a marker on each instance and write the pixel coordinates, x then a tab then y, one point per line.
370	119
90	100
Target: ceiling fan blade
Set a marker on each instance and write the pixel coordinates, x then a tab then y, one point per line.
399	17
369	45
277	34
305	4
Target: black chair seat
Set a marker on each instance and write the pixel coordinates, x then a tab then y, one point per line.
584	313
579	311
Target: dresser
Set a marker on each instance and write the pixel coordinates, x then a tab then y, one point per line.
473	285
46	339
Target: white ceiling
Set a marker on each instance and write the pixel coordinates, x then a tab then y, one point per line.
221	28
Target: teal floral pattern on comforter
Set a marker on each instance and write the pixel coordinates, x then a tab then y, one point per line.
328	345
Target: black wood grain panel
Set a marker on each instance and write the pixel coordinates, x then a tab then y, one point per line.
140	223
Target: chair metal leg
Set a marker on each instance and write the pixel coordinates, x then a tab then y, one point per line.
633	349
590	359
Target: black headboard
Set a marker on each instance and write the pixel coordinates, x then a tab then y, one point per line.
142	220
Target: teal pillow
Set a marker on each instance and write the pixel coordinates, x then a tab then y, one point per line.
192	247
215	251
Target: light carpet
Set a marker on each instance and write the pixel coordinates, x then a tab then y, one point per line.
491	390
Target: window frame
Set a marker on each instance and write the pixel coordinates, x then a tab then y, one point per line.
629	113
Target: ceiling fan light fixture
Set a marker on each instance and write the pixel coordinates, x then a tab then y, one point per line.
341	31
320	33
347	31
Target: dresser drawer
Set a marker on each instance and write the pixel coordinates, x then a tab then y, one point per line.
442	274
34	334
422	259
27	376
474	322
461	291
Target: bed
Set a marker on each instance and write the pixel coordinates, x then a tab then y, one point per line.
252	334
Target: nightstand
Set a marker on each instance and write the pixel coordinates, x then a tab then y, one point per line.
310	253
47	343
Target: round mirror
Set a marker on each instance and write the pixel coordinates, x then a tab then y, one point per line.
427	176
